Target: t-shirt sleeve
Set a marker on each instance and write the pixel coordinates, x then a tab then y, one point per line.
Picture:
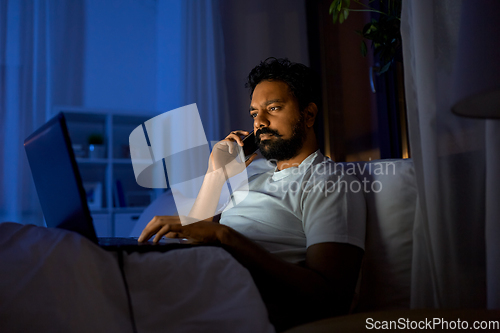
334	210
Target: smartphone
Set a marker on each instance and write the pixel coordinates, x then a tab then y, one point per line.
249	145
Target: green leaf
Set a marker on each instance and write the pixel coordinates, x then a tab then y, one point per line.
335	17
346	13
339	6
366	27
341	18
332	6
385	68
364	49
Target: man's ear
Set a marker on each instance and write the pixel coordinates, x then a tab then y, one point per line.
310	114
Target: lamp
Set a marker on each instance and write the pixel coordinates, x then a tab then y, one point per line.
476	86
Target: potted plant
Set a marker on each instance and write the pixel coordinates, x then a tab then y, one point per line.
383	31
97	149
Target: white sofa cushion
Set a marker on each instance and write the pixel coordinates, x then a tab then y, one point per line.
391	198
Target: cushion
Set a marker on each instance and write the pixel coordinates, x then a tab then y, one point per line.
391	195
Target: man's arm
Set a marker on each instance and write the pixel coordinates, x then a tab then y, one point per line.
222	165
206	202
322	287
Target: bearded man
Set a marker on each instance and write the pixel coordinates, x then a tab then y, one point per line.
297	230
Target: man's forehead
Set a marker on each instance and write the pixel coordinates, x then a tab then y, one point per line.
268	92
265	103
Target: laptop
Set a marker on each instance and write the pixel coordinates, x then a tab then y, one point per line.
62	195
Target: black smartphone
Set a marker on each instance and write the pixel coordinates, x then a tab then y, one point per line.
249	145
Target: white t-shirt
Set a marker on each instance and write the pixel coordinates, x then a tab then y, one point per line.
289	210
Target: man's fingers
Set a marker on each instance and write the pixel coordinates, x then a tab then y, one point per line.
225	145
233	138
149	230
164	230
240	132
236	136
155	226
170	231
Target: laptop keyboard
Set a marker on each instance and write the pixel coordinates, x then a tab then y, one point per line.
118	241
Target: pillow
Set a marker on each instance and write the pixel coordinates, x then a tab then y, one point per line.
391	195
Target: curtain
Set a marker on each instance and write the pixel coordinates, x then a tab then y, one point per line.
191	63
456	261
191	70
41	45
204	69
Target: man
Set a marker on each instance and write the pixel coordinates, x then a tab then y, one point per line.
298	231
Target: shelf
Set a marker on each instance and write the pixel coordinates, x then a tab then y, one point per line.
113	174
85	117
121	161
100	211
85	160
122	210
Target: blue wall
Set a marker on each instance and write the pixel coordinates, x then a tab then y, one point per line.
120	54
133	50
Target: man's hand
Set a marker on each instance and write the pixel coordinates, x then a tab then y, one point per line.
171	227
224	155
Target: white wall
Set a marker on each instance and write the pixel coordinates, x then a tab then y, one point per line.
129	65
253	31
120	54
169	55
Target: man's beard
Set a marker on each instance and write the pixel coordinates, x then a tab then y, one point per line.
279	149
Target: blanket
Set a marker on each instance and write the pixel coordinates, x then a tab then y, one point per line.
58	281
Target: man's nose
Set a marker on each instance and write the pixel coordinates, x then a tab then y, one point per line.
260	121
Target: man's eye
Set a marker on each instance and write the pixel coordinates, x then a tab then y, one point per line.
253	115
273	108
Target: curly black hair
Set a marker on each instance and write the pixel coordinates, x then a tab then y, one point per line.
301	80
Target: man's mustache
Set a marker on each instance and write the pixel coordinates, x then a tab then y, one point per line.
265	130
